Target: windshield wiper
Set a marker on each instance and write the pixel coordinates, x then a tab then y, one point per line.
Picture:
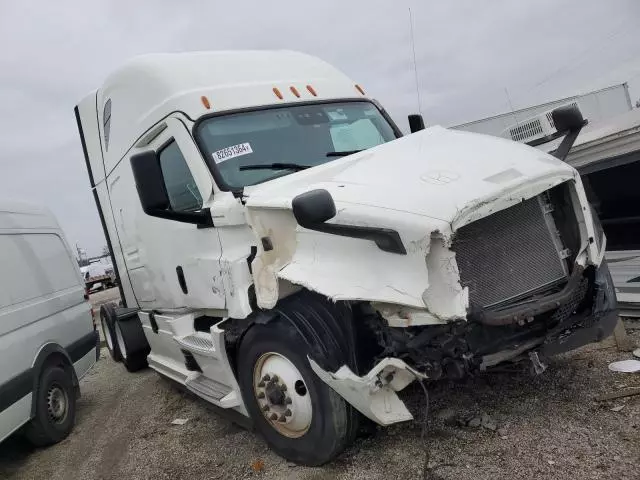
275	166
343	153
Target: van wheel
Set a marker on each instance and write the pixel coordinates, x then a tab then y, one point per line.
301	418
128	340
55	408
107	322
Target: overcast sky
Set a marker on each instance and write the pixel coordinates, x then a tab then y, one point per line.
469	54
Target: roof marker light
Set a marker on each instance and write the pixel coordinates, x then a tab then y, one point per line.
359	88
277	92
294	90
312	90
205	102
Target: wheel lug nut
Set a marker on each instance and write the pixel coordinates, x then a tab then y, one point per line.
283	387
266	378
288	400
287	413
273	417
261	395
261	384
265	408
282	418
275	378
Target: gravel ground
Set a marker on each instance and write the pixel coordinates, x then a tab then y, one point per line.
547	427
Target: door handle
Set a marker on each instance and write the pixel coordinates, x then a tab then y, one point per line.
181	280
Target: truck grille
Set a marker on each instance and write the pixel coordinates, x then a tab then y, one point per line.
510	254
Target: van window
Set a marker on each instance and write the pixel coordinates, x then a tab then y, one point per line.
181	188
34	265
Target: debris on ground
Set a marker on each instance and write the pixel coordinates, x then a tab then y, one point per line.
624	392
625	366
617	408
180	421
475	422
484	420
447	416
488	422
636	353
257	465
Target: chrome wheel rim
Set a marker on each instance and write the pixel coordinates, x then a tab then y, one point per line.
282	395
107	333
120	340
57	404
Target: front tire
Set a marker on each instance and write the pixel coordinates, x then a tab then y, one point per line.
301	418
55	407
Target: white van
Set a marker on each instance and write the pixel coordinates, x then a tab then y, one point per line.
48	340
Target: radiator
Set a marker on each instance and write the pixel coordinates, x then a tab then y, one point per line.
510	254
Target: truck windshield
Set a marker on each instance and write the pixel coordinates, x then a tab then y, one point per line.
256	146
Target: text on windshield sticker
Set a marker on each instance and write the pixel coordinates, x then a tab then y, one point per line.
232	152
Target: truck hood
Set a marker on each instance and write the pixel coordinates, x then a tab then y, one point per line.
439	173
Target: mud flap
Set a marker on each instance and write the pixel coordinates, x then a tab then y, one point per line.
374	394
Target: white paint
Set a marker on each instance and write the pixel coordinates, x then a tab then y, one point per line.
41	299
424	186
372	395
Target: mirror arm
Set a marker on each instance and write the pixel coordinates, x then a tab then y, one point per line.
567	142
201	218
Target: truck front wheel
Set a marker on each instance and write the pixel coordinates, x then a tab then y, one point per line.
301	418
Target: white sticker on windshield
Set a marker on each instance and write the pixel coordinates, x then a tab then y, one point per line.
232	152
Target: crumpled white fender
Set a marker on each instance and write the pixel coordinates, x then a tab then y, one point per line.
374	394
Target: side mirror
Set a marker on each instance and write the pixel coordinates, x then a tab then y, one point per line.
313	208
416	123
152	192
567	118
150	182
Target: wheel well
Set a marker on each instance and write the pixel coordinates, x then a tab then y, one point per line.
51	355
333	331
56	360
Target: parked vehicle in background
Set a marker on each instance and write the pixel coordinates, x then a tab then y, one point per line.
98	276
48	339
284	251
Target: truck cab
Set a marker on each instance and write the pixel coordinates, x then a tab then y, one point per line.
284	251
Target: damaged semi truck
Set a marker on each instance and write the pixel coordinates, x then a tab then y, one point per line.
284	251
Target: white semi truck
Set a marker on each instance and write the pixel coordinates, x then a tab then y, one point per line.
284	251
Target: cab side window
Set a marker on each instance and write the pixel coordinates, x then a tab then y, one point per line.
181	187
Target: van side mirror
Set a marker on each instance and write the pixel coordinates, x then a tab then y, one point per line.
153	195
416	123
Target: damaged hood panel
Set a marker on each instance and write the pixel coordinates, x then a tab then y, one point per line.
439	173
425	187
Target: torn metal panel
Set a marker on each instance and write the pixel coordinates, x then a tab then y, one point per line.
344	268
374	394
341	268
445	297
279	227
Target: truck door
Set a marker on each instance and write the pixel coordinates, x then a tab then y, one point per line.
171	265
